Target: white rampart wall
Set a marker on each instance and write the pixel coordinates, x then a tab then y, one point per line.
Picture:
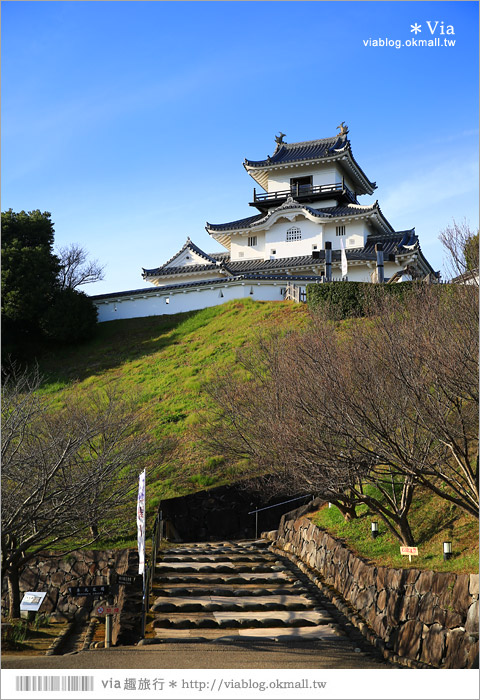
158	304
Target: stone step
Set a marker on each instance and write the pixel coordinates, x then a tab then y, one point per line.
325	632
189	578
240	603
217	567
263	618
220	557
178	589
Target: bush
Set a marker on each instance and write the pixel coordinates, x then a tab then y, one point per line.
71	318
351	299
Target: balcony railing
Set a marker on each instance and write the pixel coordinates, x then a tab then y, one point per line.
304	191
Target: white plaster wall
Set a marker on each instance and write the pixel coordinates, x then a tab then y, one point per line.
240	245
326	174
187	258
275	238
356	233
180	301
321	175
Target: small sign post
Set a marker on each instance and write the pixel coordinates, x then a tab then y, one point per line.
99	591
411	551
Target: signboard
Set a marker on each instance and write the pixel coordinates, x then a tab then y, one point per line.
105	609
126	579
80	591
32	600
410	551
141	522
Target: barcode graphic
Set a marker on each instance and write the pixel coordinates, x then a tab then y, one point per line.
49	683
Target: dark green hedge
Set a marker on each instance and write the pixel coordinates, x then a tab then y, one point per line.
348	299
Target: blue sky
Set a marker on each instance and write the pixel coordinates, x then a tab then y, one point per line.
130	121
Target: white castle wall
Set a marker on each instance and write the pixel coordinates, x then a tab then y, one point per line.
158	304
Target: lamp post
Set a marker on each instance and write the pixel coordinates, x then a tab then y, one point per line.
447	551
375	532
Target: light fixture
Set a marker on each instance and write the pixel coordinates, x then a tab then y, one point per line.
447	551
375	532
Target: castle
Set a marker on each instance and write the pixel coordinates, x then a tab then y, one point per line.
309	227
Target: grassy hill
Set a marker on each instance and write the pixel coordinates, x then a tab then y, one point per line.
165	363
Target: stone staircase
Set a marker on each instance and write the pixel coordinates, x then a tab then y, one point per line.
235	589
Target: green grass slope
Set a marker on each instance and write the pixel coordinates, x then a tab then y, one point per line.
165	363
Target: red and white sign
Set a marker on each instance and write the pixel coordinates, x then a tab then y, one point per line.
107	610
409	551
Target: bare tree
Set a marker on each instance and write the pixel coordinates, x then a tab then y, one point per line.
461	245
388	402
75	268
65	472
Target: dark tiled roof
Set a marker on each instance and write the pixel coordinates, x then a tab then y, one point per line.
203	283
164	270
301	151
240	223
326	212
190	246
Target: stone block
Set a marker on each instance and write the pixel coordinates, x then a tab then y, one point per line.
473	584
394	608
461	597
409	638
426	606
471	626
440	582
57	579
80	568
381	577
457	649
365	600
424	582
454	619
382	599
472	656
433	647
440	616
410	607
394	579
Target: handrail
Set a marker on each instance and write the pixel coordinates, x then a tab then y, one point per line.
257	511
301	190
150	567
309	495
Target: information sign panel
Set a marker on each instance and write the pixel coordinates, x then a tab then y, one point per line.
32	600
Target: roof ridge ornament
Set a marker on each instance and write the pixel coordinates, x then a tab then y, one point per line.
279	139
343	129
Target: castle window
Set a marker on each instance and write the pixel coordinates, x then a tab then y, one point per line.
340	230
252	241
294	234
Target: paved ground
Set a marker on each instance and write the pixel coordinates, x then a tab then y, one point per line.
248	653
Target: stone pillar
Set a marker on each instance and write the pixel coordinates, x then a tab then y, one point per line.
380	272
328	261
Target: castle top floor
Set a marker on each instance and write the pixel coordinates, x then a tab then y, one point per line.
310	171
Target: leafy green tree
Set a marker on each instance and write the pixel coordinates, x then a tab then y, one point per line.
71	317
29	269
39	299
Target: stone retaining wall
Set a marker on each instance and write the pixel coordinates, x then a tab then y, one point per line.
425	616
54	574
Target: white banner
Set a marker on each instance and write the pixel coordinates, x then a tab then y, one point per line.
344	259
141	522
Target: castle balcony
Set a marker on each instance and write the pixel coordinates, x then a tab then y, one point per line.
303	193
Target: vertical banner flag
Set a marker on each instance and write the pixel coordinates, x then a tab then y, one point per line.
344	259
141	522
